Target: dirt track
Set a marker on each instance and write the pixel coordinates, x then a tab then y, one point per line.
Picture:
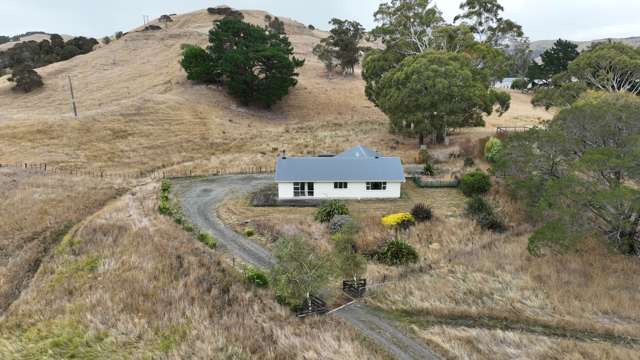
199	199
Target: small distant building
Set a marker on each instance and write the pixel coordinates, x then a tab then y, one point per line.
358	173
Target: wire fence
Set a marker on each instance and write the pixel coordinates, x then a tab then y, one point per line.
163	172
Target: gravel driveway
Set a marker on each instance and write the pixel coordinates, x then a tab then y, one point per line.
199	199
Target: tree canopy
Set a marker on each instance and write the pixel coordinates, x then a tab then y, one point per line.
300	271
554	61
577	176
255	65
34	54
613	67
610	67
342	46
417	40
436	91
485	20
26	79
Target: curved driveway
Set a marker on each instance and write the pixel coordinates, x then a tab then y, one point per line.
199	199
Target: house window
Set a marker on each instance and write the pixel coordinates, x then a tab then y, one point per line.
340	185
301	189
376	186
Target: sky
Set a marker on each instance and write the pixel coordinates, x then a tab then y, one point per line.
541	19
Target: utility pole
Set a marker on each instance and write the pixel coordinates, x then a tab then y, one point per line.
145	19
73	98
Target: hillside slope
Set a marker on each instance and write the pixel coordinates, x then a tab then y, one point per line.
138	111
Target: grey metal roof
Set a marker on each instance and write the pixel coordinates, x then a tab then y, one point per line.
359	152
340	168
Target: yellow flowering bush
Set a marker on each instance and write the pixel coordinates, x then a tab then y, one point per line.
398	220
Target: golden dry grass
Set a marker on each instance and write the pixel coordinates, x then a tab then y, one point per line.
138	111
129	283
467	272
472	344
36	211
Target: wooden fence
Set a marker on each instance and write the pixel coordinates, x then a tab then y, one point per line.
157	173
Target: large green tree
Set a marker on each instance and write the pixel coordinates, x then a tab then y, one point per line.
579	175
255	65
436	91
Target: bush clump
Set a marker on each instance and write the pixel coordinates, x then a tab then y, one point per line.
257	277
483	213
225	11
469	162
249	232
188	227
422	213
399	221
429	170
329	209
26	79
338	222
520	84
475	183
396	253
492	149
208	240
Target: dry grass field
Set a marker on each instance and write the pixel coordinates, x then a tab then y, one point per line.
129	283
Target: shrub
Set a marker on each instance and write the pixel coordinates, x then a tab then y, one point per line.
422	213
187	227
424	156
469	162
338	222
225	11
492	149
395	253
26	79
207	239
519	84
165	208
106	40
399	221
329	209
429	170
165	186
475	183
257	277
483	213
249	232
311	27
119	35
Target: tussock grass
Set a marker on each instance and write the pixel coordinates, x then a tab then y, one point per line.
36	213
147	289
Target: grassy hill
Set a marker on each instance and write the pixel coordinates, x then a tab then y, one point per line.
33	37
138	111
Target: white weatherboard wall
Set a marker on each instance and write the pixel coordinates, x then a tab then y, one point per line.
353	191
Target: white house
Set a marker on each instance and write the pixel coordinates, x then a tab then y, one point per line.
358	173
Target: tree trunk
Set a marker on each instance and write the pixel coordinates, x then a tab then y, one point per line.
420	141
